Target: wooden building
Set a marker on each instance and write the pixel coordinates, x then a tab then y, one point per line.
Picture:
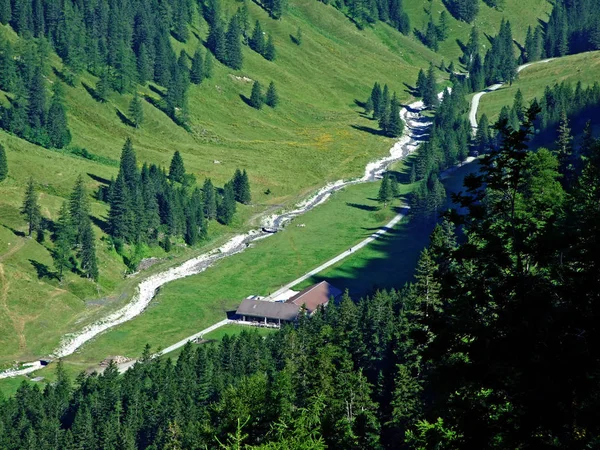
276	313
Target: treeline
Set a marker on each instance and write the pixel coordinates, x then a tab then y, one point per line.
435	33
385	110
365	12
464	357
30	114
151	205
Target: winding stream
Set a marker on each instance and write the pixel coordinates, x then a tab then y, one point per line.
416	130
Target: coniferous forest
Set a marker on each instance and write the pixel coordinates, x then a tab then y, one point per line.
492	345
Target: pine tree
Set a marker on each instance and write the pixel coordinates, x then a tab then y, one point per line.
431	36
421	86
234	45
395	187
79	208
57	126
271	98
241	187
128	166
376	100
216	41
3	164
209	200
270	49
30	208
63	242
8	69
89	263
5	12
119	206
208	65
257	41
226	207
103	87
144	65
430	96
482	136
177	169
37	100
564	149
197	71
443	28
385	190
136	111
395	124
256	97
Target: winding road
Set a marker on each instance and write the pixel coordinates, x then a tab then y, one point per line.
477	97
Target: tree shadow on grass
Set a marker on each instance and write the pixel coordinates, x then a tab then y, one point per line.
98	179
246	100
93	93
124	118
363	207
370	130
43	271
359	103
68	80
156	90
100	223
412	90
15	232
294	39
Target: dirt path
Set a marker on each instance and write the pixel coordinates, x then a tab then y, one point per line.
477	97
13	250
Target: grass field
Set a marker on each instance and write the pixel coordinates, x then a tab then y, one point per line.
390	261
533	80
317	134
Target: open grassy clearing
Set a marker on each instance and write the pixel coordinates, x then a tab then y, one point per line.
521	14
533	80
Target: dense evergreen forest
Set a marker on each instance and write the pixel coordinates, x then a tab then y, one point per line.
492	346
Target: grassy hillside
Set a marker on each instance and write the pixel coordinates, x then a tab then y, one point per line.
317	134
533	80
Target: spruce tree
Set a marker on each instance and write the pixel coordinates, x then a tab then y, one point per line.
197	71
208	65
564	149
63	242
271	98
376	100
257	40
209	199
395	187
5	12
395	124
216	41
226	207
234	45
241	187
443	27
57	126
482	136
191	227
256	97
89	263
128	166
103	87
119	206
421	86
270	52
36	105
385	190
79	208
177	169
430	96
30	208
136	111
3	164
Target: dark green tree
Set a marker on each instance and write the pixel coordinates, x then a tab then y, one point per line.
31	208
89	263
395	124
385	190
208	65
64	240
235	58
256	97
5	12
209	199
57	126
271	98
79	208
257	40
136	111
226	207
197	71
103	86
241	187
177	169
3	164
216	41
270	52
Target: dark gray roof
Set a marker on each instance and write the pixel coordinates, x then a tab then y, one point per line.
271	310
